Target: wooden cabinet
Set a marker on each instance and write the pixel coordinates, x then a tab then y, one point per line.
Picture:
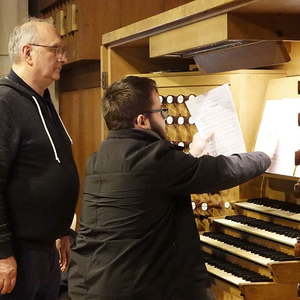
80	110
81	23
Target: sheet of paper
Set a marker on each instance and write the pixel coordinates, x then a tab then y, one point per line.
279	135
215	112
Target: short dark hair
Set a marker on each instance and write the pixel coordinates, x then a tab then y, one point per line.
125	99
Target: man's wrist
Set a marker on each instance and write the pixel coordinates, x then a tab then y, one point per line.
5	250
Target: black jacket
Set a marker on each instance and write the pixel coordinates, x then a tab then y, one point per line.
38	177
138	238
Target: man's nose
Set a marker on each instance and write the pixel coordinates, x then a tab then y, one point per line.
63	58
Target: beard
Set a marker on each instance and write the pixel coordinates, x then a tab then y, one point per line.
158	129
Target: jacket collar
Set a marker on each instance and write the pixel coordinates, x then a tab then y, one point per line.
141	134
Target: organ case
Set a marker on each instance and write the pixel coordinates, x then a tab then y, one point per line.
248	246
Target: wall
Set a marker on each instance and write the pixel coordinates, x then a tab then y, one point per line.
12	12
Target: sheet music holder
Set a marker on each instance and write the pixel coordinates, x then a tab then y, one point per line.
279	136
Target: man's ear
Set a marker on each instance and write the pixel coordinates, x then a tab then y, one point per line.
142	122
26	53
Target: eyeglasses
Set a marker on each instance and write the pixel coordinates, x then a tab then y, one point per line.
59	50
163	111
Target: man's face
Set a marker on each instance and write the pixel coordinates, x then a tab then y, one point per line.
48	61
156	119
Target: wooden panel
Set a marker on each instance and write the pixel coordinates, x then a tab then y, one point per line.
197	10
249	92
269	291
82	22
282	271
283	88
81	111
135	10
263	26
169	4
184	14
224	291
94	19
292	68
201	33
272	6
81	75
104	84
131	60
225	27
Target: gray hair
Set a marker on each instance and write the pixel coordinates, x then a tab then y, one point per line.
24	34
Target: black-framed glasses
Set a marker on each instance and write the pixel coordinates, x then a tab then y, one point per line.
163	111
59	50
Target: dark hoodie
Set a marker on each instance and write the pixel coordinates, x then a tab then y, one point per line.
38	177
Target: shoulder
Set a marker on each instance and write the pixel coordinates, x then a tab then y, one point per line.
8	94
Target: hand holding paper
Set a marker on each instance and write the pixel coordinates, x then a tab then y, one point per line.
199	145
215	112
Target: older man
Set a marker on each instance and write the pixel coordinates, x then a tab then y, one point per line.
38	177
137	238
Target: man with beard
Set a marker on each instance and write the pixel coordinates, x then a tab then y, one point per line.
138	239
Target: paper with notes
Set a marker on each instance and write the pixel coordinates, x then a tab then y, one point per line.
214	112
279	135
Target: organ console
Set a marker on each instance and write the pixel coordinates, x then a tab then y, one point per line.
254	250
250	247
248	233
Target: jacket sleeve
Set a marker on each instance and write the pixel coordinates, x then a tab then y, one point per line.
189	175
9	139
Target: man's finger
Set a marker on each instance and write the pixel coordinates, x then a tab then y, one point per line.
1	284
6	288
63	260
12	284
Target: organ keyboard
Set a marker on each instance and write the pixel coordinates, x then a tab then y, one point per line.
259	254
251	253
241	224
272	207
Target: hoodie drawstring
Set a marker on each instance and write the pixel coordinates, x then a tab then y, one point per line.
66	131
46	129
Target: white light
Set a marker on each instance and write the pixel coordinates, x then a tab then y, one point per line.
180	99
227	204
180	120
192	97
204	206
191	120
170	99
169	120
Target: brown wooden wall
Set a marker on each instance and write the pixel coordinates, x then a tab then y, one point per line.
80	111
